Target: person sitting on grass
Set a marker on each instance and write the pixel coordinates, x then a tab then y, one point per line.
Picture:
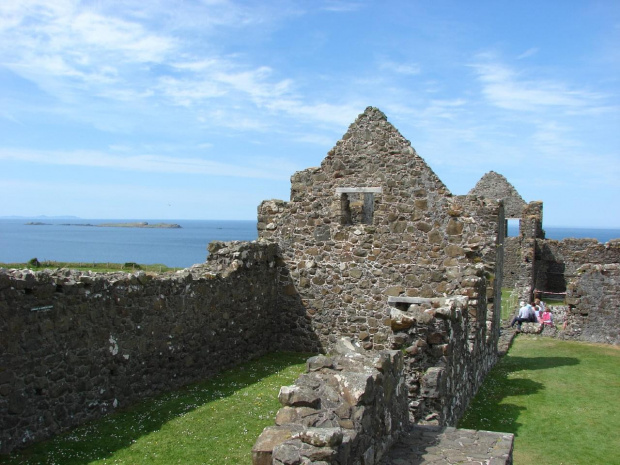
525	315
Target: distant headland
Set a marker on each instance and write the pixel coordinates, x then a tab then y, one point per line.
139	224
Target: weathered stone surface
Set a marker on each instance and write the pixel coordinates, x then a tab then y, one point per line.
298	396
367	404
82	344
426	445
271	436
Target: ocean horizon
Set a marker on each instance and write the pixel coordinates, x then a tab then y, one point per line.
65	239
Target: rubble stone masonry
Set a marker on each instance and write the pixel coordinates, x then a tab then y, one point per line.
76	345
372	246
376	248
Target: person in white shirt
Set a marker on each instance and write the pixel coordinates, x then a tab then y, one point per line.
525	315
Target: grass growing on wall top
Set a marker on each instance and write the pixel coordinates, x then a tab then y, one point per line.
561	399
100	267
213	422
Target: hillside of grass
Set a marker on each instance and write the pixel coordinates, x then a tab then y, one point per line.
561	400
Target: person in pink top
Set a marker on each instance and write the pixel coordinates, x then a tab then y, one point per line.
546	318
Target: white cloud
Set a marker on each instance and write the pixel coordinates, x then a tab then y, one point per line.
410	69
528	53
67	48
341	6
506	89
266	169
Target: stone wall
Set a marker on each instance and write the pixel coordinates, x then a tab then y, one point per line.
495	186
349	408
512	263
371	246
448	346
76	345
592	313
372	226
558	261
593	297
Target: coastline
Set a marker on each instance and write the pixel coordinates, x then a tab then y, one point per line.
140	224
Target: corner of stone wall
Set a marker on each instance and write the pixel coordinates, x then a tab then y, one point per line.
268	212
228	257
348	408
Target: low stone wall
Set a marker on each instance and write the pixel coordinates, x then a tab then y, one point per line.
348	408
450	344
593	298
76	345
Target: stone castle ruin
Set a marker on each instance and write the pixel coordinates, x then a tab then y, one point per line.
372	262
584	272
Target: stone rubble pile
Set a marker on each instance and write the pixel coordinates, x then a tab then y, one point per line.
349	406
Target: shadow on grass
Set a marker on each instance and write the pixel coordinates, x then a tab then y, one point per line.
101	438
537	363
488	411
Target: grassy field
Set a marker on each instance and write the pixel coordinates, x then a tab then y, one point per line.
90	266
214	422
561	400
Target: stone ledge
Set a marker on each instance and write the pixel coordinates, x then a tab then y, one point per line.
426	445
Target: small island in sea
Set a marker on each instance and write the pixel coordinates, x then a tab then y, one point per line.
139	224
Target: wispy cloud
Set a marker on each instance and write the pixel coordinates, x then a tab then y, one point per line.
341	6
410	69
528	53
267	169
505	88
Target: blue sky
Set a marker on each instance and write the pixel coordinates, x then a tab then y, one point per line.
201	109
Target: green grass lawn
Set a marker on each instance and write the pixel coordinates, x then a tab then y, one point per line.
213	422
561	400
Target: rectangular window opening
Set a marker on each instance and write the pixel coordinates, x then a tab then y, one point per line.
357	208
512	227
357	204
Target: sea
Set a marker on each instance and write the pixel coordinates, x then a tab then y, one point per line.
64	240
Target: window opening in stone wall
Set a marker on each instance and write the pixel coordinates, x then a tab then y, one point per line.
512	227
357	205
357	208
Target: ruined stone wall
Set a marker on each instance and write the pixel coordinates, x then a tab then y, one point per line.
522	264
374	223
593	297
559	260
447	345
76	345
495	186
512	262
349	408
370	231
530	226
341	271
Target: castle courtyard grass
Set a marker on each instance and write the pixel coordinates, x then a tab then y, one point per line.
561	400
212	422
